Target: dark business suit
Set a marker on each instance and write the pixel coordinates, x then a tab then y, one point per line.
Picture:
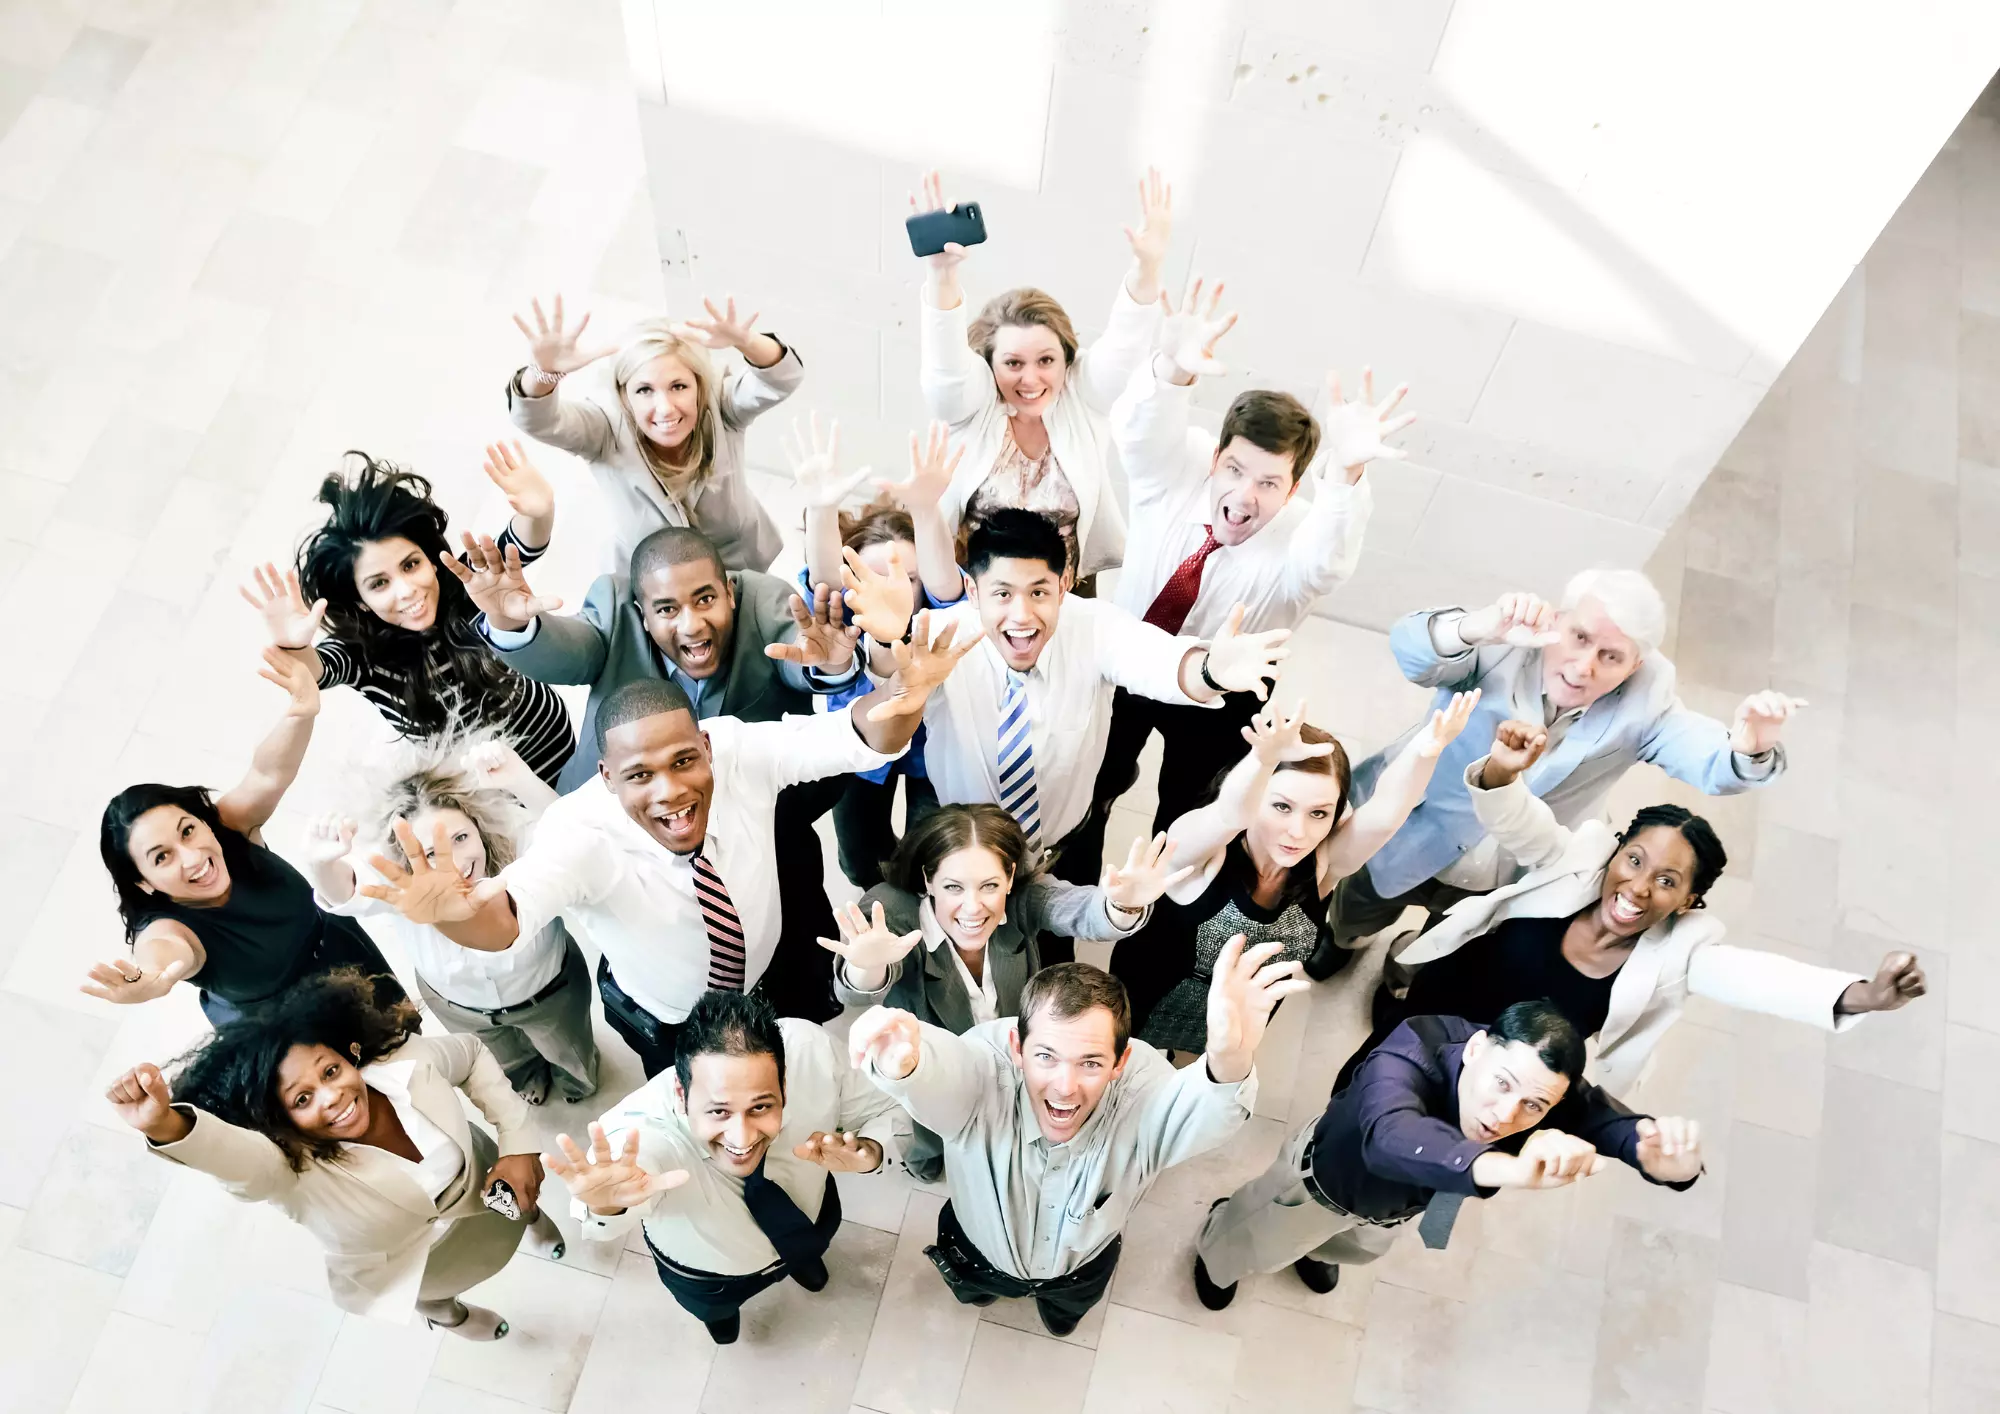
1386	1143
607	646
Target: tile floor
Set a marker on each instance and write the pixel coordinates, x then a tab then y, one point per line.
237	238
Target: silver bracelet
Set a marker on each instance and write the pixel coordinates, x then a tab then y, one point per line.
535	370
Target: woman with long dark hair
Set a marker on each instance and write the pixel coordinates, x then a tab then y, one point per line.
331	1107
399	630
202	899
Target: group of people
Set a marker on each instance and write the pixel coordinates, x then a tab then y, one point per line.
948	635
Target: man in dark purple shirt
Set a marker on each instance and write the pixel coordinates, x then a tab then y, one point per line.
1442	1110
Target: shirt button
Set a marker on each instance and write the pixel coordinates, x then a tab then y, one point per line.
1420	1148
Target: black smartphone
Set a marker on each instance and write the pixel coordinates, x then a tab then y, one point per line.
931	231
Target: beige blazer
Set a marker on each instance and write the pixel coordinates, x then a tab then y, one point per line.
1681	956
958	388
376	1224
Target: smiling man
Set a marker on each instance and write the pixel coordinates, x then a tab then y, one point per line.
1591	674
728	1158
1441	1111
668	859
1055	1125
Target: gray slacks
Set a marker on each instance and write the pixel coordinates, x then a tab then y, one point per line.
552	1034
1272	1221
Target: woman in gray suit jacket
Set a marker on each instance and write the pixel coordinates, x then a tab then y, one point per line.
331	1108
963	883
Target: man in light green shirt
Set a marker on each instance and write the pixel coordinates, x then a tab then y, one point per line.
1054	1126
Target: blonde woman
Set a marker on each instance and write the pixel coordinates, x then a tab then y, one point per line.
528	1001
1025	401
665	441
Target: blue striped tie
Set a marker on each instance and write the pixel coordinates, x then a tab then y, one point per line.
1017	763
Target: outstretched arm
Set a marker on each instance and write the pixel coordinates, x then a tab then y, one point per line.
1370	825
275	764
933	463
1273	737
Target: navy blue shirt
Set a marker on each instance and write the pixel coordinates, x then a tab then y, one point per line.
1391	1138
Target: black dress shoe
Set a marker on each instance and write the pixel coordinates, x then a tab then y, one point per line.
725	1331
1328	956
1053	1321
813	1278
1320	1277
1209	1293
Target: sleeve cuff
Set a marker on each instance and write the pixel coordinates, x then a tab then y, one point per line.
1761	767
1444	634
507	639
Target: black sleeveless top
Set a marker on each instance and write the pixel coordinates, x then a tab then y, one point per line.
269	934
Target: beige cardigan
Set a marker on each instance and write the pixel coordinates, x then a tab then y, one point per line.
374	1221
958	387
1680	956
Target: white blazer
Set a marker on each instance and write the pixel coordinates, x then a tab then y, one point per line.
375	1222
586	422
1678	956
958	387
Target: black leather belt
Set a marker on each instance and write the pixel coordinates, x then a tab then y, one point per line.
1310	1183
562	980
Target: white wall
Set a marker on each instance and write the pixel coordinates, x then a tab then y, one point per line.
1589	235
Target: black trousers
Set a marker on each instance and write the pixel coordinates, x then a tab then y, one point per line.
708	1296
649	1037
864	828
970	1276
799	980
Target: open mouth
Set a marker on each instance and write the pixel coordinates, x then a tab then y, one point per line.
1020	641
1625	912
741	1156
204	875
678	823
1062	1116
698	655
346	1116
1234	519
1487	1133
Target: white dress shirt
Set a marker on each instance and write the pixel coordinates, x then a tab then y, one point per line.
443	1161
1097	647
981	996
1277	574
704	1224
634	898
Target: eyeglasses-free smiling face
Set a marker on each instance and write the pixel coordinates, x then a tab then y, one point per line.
1590	657
968	894
1019	602
659	769
1247	486
178	855
468	846
1028	368
398	583
324	1093
1647	879
665	401
1066	1064
735	1106
689	611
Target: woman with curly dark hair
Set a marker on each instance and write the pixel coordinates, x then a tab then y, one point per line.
202	899
331	1107
400	631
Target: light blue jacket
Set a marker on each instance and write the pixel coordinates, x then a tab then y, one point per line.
1640	720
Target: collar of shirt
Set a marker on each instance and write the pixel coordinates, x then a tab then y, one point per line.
696	688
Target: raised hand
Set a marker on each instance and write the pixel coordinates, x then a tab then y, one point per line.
1188	335
1897	982
497	584
1243	991
869	945
1446	723
142	1100
1670	1149
722	329
890	1040
1760	721
826	640
554	348
1154	234
1516	747
425	892
842	1151
1355	431
329	838
495	765
277	597
1521	619
933	463
921	666
944	265
815	463
127	983
1147	873
300	682
1274	736
604	1182
881	604
1549	1159
527	491
1243	662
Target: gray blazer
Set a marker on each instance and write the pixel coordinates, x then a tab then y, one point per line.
606	646
928	986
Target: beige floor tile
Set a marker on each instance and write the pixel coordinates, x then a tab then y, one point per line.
1878	1134
646	1351
1010	1370
1290	1360
51	1313
267	1350
1767	1218
923	1334
1756	1353
1149	1362
1965	1365
1971	1104
1968	1261
378	1366
553	1310
137	1365
1652	1343
97	1200
1868	1333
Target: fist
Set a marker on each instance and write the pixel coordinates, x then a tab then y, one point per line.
1897	982
1670	1148
142	1100
1517	746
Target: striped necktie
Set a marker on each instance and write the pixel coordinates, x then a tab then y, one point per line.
725	929
1017	763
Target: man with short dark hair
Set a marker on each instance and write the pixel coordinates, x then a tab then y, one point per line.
1442	1110
728	1159
1056	1124
1216	523
668	859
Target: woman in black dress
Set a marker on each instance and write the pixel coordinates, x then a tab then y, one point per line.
400	630
1267	850
203	900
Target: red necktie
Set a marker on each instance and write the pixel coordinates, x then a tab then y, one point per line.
1176	598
